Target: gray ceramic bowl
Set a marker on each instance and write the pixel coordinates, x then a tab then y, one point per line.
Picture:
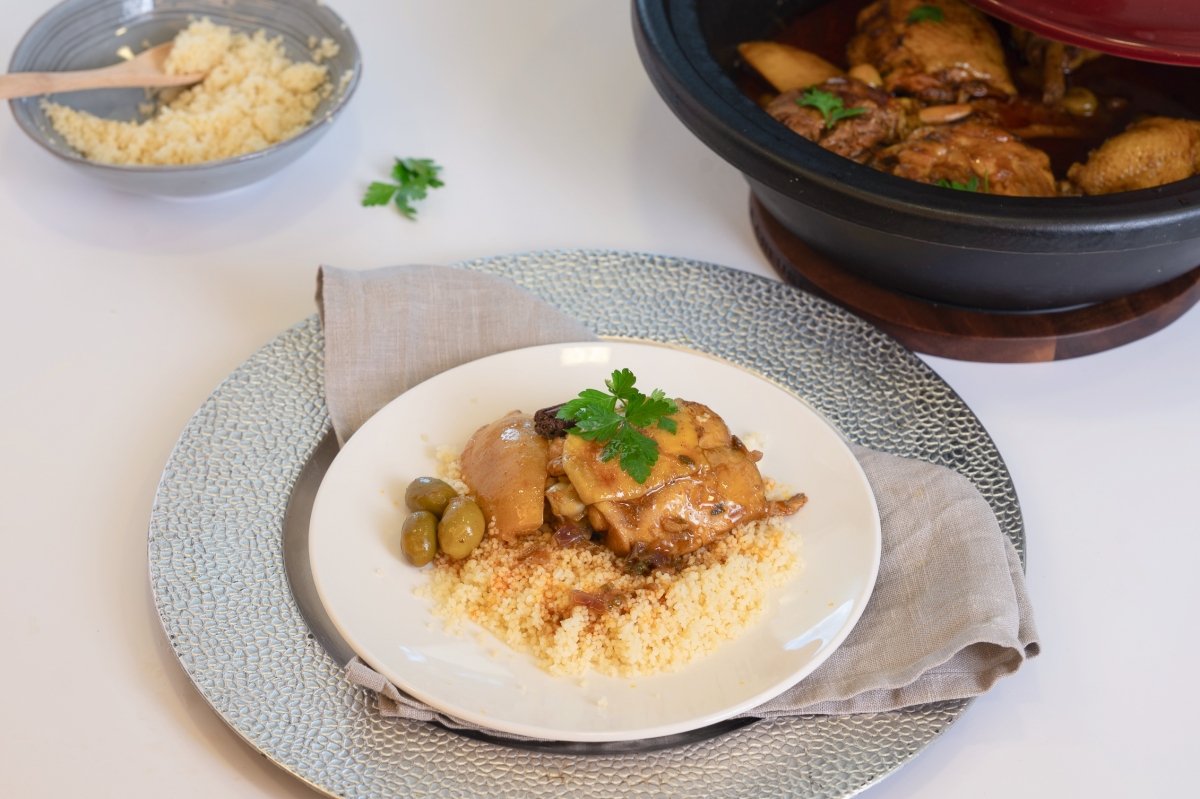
81	34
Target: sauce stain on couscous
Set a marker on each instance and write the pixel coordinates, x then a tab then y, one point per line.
659	622
654	623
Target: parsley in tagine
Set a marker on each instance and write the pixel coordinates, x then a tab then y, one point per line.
925	14
829	104
413	178
971	185
614	418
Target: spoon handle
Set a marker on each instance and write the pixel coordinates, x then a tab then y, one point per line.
28	84
118	76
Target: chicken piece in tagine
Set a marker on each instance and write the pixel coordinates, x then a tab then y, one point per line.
1052	61
1151	152
939	51
872	117
973	156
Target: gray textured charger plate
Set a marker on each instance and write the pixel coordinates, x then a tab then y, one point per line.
220	581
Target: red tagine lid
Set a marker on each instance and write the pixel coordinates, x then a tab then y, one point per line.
1166	31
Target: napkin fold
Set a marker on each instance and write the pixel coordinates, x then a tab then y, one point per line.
389	329
949	615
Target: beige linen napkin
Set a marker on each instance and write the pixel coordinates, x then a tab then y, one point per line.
949	615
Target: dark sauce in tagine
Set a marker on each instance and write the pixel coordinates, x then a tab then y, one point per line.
1126	89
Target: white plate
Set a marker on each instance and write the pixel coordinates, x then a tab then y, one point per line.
368	590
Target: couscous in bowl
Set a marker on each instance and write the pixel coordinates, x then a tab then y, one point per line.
82	34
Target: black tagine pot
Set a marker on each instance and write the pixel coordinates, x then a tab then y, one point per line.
967	249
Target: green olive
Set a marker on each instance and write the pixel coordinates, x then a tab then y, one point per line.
419	537
429	493
461	527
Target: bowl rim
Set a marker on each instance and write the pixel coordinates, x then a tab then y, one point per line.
343	95
703	93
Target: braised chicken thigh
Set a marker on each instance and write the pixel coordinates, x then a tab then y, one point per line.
880	122
704	484
1150	152
939	51
529	475
505	464
973	156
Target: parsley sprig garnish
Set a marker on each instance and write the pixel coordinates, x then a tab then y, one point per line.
614	417
926	14
413	177
829	104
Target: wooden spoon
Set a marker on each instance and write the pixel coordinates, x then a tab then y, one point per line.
145	69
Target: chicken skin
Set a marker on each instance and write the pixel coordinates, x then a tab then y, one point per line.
971	155
939	51
1150	152
505	465
704	483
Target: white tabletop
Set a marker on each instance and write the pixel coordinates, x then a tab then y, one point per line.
122	313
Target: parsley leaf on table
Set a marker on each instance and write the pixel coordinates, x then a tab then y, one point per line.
413	177
829	104
614	418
